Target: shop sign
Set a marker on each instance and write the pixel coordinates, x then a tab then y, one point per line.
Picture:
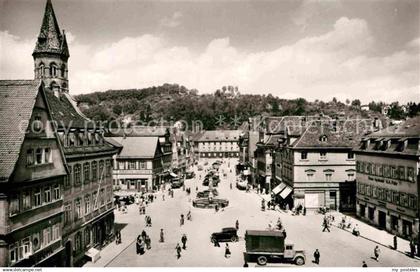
382	180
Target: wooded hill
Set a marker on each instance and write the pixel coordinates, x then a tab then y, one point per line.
225	108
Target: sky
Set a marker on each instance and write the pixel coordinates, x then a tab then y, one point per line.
348	49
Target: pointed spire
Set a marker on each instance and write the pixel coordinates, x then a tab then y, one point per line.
50	39
64	46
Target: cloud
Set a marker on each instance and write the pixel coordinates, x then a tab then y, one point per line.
15	56
414	43
173	21
338	63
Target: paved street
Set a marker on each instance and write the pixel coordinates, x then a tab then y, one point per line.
337	248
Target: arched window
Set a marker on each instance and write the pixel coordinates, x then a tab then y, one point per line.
63	71
323	138
41	70
53	70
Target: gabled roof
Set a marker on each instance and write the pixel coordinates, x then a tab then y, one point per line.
136	147
138	131
65	112
408	128
337	133
50	38
17	99
218	136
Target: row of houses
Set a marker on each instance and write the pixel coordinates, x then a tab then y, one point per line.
350	165
148	157
56	197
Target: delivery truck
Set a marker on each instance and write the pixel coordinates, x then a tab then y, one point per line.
268	246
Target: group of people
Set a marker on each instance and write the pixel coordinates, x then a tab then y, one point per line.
143	242
184	246
182	218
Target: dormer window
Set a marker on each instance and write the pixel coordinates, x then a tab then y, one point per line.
323	138
402	145
37	124
71	139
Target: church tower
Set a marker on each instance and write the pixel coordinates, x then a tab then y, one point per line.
51	53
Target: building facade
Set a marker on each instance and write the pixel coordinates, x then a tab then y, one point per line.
388	164
317	168
32	171
217	144
87	191
138	167
162	133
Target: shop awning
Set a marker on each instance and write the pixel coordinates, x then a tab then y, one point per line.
286	191
279	188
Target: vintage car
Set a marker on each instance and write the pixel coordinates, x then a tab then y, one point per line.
241	184
226	235
205	193
177	183
190	175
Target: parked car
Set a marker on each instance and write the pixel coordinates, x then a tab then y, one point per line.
177	183
241	184
205	193
226	235
190	175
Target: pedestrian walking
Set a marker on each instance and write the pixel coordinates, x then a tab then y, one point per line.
162	236
317	255
412	248
149	221
189	216
231	186
140	245
227	251
216	208
181	220
284	233
326	225
376	251
395	242
146	220
178	251
184	241
364	264
117	237
148	242
163	197
237	224
196	188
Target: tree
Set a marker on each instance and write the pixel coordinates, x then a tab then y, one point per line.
117	109
396	111
356	103
347	101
